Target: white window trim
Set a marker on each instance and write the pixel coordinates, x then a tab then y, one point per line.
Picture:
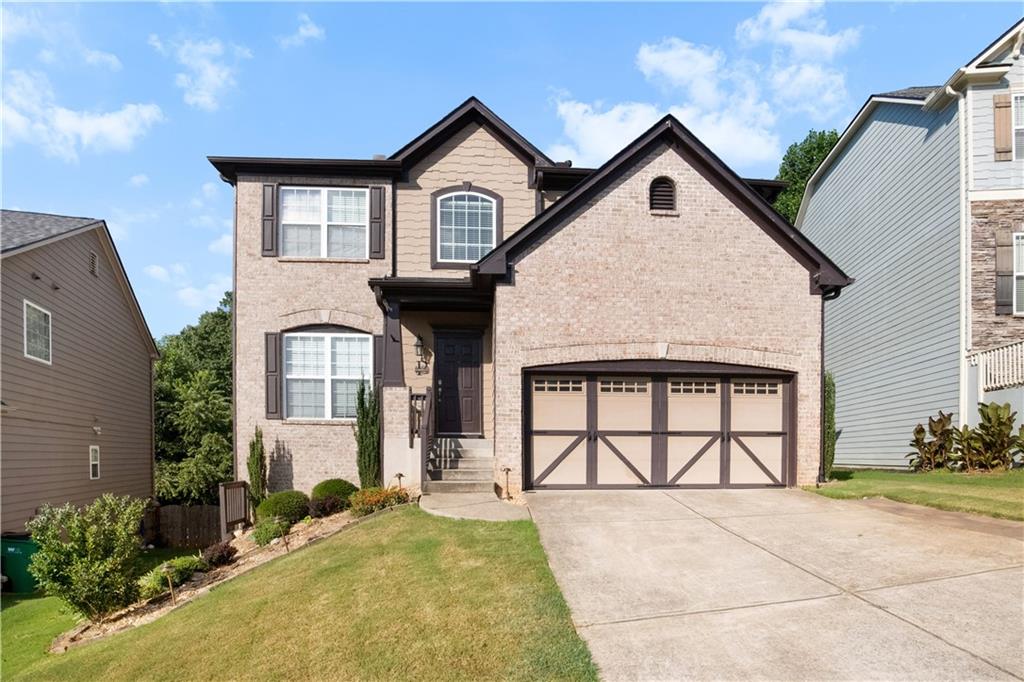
1018	305
494	224
24	332
1016	101
94	449
328	376
324	225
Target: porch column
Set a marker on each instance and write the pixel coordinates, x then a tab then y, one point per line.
394	373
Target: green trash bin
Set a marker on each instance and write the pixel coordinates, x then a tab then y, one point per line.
15	553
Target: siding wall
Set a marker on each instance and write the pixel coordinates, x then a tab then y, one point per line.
987	172
887	212
100	375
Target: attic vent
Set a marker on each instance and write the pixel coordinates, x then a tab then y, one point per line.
663	195
94	264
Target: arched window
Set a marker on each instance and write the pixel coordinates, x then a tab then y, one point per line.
466	226
663	194
323	367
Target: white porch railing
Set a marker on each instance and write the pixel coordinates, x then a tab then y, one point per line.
1000	367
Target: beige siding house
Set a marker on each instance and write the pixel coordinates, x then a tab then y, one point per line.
76	369
647	324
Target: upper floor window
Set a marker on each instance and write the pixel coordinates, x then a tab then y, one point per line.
1018	273
323	372
1018	127
38	343
94	462
663	195
466	227
325	222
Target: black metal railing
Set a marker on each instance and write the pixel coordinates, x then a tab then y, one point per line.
416	401
426	432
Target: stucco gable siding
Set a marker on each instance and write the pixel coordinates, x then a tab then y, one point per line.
471	155
987	172
887	211
100	376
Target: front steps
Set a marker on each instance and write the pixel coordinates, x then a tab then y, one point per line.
461	465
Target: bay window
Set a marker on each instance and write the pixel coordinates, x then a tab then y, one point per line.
323	372
325	222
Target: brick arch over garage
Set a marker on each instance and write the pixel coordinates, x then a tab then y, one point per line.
730	355
341	318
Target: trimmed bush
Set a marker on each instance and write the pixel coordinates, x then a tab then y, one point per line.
338	487
220	554
320	507
368	500
290	505
180	569
88	558
269	528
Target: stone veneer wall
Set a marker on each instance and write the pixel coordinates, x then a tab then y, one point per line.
989	330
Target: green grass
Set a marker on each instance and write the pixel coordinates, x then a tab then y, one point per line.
30	622
404	596
999	494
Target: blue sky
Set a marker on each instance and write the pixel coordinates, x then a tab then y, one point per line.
111	109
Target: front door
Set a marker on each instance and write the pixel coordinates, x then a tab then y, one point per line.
458	379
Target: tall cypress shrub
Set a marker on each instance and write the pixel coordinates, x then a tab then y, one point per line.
368	436
257	466
830	424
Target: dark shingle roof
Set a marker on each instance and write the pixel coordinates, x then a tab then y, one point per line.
920	92
21	228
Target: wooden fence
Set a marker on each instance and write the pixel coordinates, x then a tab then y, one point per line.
190	526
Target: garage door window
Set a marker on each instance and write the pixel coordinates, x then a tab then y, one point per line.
558	385
624	386
692	387
755	388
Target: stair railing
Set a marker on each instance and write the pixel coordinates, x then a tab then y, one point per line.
426	431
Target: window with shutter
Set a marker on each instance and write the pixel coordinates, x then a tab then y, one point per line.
1018	127
1002	127
663	195
321	222
1018	273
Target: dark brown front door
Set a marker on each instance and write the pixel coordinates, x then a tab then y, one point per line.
458	378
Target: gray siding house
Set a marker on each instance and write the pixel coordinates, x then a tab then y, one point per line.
76	365
922	200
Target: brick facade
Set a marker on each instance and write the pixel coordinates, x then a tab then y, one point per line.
989	330
616	282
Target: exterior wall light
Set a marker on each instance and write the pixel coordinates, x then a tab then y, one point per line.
422	367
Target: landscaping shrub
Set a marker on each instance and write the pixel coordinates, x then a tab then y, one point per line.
368	500
992	444
934	453
367	436
88	557
320	507
995	435
180	569
269	528
830	424
257	466
220	554
337	487
290	505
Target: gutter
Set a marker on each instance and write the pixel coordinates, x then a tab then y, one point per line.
828	294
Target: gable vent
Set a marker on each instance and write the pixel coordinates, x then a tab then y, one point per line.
663	195
94	264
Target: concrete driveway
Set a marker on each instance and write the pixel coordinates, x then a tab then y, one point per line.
784	585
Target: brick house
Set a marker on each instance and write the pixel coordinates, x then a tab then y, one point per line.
652	322
923	196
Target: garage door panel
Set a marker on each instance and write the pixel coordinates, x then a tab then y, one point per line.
705	470
559	403
747	452
624	460
756	406
694	404
572	467
624	404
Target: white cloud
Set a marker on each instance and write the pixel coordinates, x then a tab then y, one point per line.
138	180
798	27
157	272
307	30
819	91
210	69
222	244
32	115
677	64
596	132
206	296
47	56
210	190
101	58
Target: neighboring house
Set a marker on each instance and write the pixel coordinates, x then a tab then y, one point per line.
923	198
650	322
76	366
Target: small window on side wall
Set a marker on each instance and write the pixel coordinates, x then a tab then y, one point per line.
663	194
38	342
94	462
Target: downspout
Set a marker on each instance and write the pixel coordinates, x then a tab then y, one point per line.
394	228
827	294
965	208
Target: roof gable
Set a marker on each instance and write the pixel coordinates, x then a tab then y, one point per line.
25	229
825	275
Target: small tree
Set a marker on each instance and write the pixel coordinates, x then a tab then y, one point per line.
798	165
257	466
194	480
830	424
88	557
367	436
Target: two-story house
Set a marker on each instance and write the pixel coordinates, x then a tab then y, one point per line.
652	322
923	197
76	365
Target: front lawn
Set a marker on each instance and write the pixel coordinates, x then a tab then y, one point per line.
30	622
999	494
404	596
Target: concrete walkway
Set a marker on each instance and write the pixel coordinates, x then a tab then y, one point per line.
478	506
783	585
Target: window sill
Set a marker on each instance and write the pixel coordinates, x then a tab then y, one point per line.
664	214
348	421
287	259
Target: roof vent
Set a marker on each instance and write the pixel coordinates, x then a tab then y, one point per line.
94	264
379	157
663	194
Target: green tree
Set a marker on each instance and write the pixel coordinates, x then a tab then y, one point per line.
367	436
830	424
798	165
195	479
257	466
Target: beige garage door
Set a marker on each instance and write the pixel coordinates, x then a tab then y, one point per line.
594	431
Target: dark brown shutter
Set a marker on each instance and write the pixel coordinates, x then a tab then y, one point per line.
269	220
378	359
1004	271
273	344
1002	124
663	195
376	222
